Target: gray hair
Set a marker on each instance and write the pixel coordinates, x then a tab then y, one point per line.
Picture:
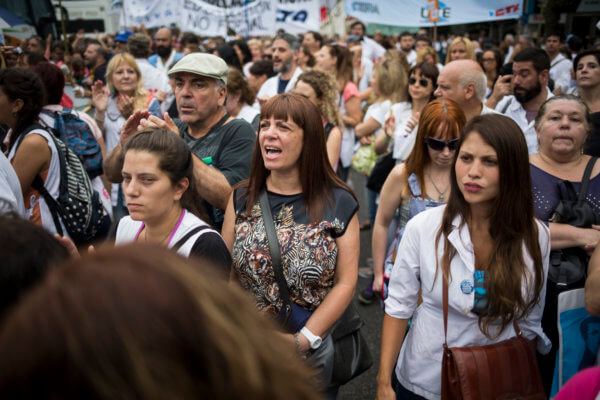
544	108
477	78
292	41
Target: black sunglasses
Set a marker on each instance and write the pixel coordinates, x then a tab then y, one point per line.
439	145
422	82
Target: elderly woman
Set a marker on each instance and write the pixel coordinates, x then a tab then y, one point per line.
315	221
562	125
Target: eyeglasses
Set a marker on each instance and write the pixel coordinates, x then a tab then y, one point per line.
422	82
439	145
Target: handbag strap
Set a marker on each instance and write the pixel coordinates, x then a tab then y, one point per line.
445	309
274	249
188	235
585	181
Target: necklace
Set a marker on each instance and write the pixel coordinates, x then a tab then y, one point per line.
161	240
440	192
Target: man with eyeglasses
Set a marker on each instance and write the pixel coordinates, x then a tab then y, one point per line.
464	82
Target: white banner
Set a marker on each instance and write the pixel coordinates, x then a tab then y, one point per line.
415	12
152	13
298	16
253	18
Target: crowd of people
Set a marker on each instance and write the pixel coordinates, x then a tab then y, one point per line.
482	193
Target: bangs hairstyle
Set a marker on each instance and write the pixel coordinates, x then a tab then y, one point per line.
468	46
441	119
426	70
174	159
316	175
140	99
512	225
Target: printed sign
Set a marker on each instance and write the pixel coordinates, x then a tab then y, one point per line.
247	18
419	13
298	16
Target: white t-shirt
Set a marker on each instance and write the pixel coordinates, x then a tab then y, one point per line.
129	230
378	111
403	140
36	208
11	197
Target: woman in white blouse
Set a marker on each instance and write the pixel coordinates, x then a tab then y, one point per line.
488	244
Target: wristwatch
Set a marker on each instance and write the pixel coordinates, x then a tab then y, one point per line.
314	340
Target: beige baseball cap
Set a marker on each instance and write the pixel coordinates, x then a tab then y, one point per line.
202	64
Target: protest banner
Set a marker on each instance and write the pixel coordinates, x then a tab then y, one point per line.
415	13
211	18
151	13
298	16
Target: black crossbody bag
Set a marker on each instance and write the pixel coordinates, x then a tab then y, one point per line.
351	353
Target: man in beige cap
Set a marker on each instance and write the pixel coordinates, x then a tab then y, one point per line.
222	145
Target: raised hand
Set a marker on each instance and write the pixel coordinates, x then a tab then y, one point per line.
132	125
125	105
99	96
155	122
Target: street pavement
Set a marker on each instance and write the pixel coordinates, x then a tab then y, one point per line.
364	386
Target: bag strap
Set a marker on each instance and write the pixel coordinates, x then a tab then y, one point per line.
38	184
188	235
585	181
445	308
274	249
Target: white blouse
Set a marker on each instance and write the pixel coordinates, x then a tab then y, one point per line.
419	364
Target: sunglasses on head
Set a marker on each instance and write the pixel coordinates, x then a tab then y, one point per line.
439	145
423	82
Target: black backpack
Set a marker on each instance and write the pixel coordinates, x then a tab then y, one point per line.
78	205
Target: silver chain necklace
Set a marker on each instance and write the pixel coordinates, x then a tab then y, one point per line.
440	192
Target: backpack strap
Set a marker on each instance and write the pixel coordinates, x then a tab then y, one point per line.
38	184
188	235
585	181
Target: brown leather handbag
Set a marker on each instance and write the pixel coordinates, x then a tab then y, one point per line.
505	370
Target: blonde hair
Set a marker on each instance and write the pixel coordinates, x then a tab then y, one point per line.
140	96
425	51
391	80
325	87
468	45
255	42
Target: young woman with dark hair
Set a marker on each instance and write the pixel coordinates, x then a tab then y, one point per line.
490	249
32	151
491	62
587	75
315	219
399	133
162	200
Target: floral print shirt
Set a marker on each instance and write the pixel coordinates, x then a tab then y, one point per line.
308	250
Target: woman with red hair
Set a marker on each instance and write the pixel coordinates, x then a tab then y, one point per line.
422	181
